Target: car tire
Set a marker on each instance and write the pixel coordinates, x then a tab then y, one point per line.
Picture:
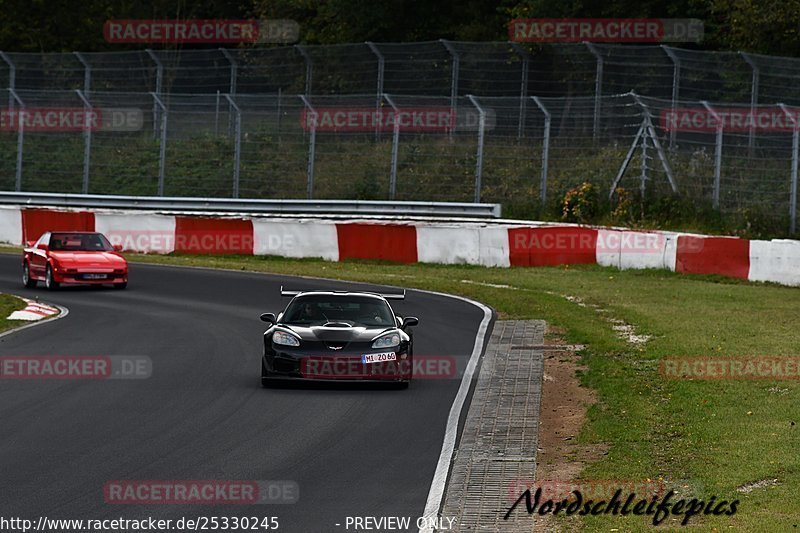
121	286
49	282
26	276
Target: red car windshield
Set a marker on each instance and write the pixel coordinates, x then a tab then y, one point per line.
80	242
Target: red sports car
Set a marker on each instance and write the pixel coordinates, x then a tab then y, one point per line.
79	257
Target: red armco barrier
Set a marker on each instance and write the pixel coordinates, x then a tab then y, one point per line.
550	246
377	241
37	221
468	243
727	256
214	236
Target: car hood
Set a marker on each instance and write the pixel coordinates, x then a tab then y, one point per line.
329	334
79	259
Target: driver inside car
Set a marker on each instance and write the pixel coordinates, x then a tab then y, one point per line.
312	313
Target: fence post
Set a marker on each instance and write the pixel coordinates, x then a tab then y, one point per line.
395	148
312	145
20	137
717	154
676	84
751	134
523	91
309	66
479	155
87	139
162	150
456	59
12	77
545	150
158	88
598	88
232	89
87	72
793	190
237	144
379	91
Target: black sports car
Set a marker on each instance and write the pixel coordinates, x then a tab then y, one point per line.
338	336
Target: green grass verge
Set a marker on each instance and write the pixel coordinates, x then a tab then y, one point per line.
715	435
9	304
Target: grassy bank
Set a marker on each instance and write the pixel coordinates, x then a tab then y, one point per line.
753	201
9	304
714	436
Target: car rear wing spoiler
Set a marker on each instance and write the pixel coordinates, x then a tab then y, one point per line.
388	296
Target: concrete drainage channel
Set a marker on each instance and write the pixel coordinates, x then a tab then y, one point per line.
501	432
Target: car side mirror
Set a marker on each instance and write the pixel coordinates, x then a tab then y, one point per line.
268	317
117	247
30	244
43	246
410	321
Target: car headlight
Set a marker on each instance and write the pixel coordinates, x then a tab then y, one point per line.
387	341
285	339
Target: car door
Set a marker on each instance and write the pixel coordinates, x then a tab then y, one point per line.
38	258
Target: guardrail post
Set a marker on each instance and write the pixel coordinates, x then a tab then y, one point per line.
312	145
598	89
87	72
158	88
479	155
395	148
523	90
793	189
87	139
676	84
545	151
162	149
379	92
12	77
456	61
309	68
751	134
717	154
237	144
20	137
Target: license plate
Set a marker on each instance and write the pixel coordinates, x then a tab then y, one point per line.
94	276
378	357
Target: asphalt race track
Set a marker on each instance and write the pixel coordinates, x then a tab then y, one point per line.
353	450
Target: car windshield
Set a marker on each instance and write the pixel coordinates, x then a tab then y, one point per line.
314	310
80	242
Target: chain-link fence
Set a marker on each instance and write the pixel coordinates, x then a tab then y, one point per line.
522	152
435	68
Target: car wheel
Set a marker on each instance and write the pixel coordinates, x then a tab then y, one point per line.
26	276
49	282
121	285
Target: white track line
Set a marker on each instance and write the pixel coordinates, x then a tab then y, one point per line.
439	482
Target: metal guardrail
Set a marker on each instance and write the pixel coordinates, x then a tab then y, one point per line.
257	207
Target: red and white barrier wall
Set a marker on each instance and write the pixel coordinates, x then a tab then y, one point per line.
486	244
